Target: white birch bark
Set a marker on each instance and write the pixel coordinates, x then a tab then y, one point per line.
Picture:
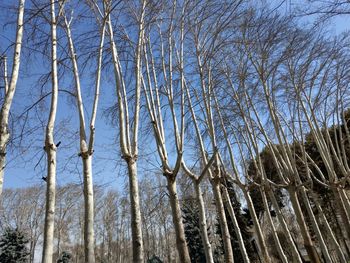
280	251
236	226
136	233
308	244
286	231
225	234
129	148
154	107
177	220
50	149
10	89
86	145
197	180
203	224
261	239
329	230
89	237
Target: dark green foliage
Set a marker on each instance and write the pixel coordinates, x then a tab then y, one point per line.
190	212
65	258
272	174
284	243
154	259
244	221
336	135
13	246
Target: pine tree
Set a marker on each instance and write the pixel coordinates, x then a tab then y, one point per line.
13	246
154	259
244	222
192	231
65	258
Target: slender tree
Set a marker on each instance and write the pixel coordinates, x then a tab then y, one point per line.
50	147
129	145
86	143
9	90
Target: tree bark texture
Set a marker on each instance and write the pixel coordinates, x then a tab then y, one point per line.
203	224
136	227
225	234
177	220
308	244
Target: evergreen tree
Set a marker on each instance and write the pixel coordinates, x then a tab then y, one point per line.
192	231
154	259
244	222
65	258
13	246
272	174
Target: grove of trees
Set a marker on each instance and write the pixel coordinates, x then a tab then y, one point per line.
221	127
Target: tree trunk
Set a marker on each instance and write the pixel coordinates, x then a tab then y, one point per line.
59	241
177	220
328	229
236	226
3	143
136	227
280	251
292	246
9	92
345	200
308	244
50	205
31	251
341	205
50	149
341	235
225	234
315	226
261	240
203	224
89	239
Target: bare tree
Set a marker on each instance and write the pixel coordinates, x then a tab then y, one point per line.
161	61
129	145
9	90
86	143
50	147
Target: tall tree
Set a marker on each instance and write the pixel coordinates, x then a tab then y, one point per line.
86	143
129	135
160	69
9	90
50	147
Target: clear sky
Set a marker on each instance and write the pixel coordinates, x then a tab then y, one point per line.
107	164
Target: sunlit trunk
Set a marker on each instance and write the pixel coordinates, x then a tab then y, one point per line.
274	233
10	92
177	221
89	240
285	229
136	227
203	224
50	205
50	149
261	240
225	234
308	243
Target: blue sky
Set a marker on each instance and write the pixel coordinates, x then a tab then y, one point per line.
107	165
